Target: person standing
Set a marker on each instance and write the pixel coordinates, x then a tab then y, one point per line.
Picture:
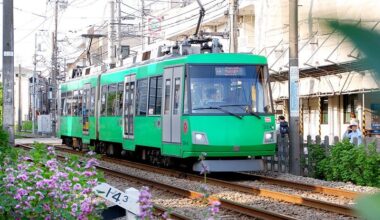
355	133
282	126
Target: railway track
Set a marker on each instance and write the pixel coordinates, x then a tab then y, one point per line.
280	196
225	204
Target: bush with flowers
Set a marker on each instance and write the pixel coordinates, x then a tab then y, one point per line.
35	185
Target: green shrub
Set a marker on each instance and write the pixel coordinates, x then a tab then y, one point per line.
349	163
27	125
316	153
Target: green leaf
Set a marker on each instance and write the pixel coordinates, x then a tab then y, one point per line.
368	207
366	40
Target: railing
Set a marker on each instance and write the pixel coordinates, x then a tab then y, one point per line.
280	161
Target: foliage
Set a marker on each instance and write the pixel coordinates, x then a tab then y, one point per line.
365	39
347	162
36	185
368	207
1	104
316	153
27	125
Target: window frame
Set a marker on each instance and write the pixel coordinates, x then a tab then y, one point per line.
324	112
138	97
157	96
349	104
111	110
103	106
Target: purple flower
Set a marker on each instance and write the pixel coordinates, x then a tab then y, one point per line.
66	186
86	191
20	193
85	207
214	209
46	207
11	178
68	169
91	163
89	173
204	169
40	195
51	150
145	203
74	208
77	187
76	179
91	153
23	177
92	182
52	164
63	175
26	158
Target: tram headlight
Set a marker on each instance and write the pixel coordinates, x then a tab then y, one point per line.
199	138
269	137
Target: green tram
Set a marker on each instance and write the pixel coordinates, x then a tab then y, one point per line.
175	109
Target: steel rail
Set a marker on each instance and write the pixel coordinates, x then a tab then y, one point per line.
309	187
294	199
227	204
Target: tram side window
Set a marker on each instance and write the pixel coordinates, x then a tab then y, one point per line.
141	96
120	91
69	103
63	103
155	95
111	100
75	103
92	101
80	103
103	100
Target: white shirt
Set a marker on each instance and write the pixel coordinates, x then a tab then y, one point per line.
355	134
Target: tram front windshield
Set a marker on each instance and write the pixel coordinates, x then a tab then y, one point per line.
237	89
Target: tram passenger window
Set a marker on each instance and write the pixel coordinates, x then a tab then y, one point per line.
80	102
103	100
69	103
111	100
167	96
63	103
155	95
92	101
177	95
185	99
75	103
141	96
120	90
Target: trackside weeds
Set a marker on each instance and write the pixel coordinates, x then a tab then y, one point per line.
37	185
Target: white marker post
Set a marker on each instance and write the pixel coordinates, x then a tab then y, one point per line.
128	200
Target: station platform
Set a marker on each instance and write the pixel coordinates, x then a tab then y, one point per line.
50	141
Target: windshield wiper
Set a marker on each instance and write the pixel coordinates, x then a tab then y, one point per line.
220	109
245	109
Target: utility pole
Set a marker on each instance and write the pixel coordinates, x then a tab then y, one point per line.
233	14
119	33
54	71
34	84
19	99
294	134
111	35
8	70
142	25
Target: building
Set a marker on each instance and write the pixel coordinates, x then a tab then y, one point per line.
333	80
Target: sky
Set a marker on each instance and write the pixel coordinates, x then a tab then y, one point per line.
30	16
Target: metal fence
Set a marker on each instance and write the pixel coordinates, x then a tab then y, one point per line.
280	161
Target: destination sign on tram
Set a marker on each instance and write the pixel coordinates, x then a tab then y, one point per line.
229	71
